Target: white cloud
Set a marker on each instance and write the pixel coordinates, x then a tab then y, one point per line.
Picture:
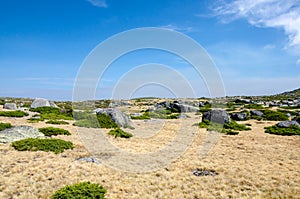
283	14
98	3
269	47
177	28
298	62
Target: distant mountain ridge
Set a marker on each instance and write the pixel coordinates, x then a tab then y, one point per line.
293	93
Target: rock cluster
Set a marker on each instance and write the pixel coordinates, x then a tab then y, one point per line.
178	105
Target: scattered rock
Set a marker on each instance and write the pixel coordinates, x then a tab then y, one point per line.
182	116
10	106
201	172
184	108
256	113
245	101
239	116
117	116
40	102
287	124
136	114
18	133
88	159
216	116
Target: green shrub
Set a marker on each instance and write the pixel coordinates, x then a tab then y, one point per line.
4	126
105	121
142	117
83	190
233	125
17	113
59	122
274	115
51	113
226	128
49	131
87	123
90	120
37	144
119	133
292	130
253	106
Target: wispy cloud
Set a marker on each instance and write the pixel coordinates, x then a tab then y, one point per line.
177	28
298	62
283	14
98	3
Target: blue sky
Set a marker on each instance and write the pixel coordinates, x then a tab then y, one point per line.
255	44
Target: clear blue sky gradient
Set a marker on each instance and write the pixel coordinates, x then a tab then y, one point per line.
44	42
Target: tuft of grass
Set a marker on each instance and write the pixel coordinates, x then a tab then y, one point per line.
82	190
105	121
119	133
59	122
292	130
49	131
233	125
17	113
38	144
87	123
254	106
4	126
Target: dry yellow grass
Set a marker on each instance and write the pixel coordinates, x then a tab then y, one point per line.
252	164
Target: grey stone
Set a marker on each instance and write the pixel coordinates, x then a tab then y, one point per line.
245	101
216	116
256	113
18	133
40	102
239	116
201	172
184	108
10	106
88	159
117	116
287	124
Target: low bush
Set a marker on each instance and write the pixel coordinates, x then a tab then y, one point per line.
4	126
38	144
59	122
82	190
51	113
230	132
292	130
105	121
226	128
87	123
119	133
141	117
17	113
274	115
90	120
254	106
49	131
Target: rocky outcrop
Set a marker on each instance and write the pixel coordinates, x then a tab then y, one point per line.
239	116
40	102
117	116
287	124
216	116
177	105
88	159
10	106
256	113
18	133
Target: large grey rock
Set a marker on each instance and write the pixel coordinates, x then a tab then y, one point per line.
297	119
40	102
245	101
239	116
10	106
216	116
18	133
287	124
184	108
117	116
256	113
